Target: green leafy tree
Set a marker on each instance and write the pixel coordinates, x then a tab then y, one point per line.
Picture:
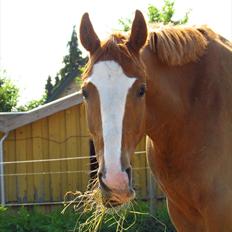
9	94
125	23
38	102
164	15
32	104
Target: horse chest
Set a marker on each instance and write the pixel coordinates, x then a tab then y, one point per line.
176	179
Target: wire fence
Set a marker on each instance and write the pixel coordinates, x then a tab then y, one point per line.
57	159
58	172
15	174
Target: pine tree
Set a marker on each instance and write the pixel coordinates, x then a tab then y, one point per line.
73	63
57	80
49	87
74	60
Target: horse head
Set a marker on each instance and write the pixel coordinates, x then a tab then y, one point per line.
114	87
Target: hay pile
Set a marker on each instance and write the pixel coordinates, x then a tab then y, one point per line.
91	203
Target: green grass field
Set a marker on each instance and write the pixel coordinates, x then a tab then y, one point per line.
35	220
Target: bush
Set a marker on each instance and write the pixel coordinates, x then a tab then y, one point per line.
35	220
24	220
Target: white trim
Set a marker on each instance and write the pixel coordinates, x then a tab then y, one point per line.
47	160
12	120
2	183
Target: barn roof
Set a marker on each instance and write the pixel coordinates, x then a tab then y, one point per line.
12	120
64	83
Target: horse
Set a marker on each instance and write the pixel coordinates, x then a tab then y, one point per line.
174	85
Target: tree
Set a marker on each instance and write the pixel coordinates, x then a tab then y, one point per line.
48	87
125	23
74	60
164	15
9	94
38	102
32	104
73	63
57	80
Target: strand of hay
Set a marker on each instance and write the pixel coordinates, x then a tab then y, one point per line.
91	202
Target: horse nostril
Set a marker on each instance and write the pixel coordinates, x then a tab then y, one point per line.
129	173
101	182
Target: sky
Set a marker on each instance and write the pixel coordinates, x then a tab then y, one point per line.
34	33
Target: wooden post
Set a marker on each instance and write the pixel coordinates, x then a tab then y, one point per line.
3	201
152	191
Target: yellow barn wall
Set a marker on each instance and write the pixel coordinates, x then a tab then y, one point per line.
61	135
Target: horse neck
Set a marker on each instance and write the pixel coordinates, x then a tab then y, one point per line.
171	94
182	98
188	111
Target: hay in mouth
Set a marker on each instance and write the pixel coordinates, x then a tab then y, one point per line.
95	213
92	201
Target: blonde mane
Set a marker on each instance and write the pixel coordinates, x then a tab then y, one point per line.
178	45
173	45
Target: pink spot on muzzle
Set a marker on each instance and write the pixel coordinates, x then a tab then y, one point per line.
117	181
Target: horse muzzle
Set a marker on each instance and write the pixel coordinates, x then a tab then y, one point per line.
116	188
117	198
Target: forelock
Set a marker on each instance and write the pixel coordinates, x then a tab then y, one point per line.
116	49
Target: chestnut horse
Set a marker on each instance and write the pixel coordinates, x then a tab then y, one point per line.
176	87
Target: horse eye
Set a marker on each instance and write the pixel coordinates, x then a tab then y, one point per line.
85	93
141	91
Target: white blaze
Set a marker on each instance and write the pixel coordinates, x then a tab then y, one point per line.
113	86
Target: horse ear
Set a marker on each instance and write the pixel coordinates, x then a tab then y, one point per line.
88	36
138	34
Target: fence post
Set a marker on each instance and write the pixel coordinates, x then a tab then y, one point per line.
2	184
152	191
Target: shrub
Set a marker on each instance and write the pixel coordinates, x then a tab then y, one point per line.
35	220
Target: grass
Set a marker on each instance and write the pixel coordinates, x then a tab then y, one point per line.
35	220
100	218
85	212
